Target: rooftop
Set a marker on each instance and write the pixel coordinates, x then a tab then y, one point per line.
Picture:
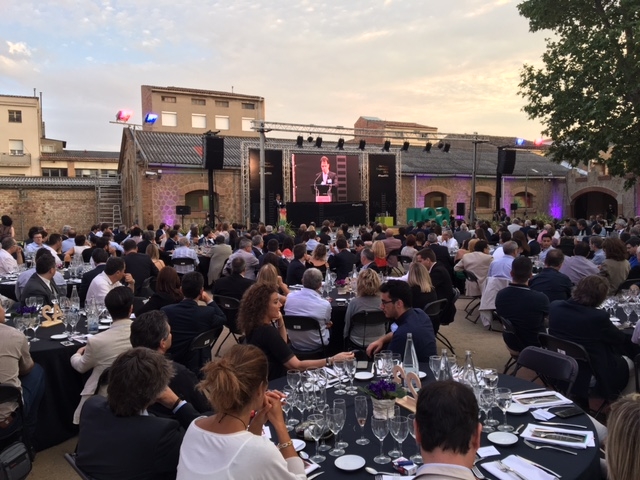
197	91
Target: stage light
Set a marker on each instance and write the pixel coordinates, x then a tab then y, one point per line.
319	142
362	145
387	146
310	139
299	141
340	144
427	147
440	145
123	115
519	141
150	118
405	147
538	142
446	148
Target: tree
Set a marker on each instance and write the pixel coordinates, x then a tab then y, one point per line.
587	94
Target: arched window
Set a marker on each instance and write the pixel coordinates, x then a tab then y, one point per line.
198	200
435	200
483	200
524	201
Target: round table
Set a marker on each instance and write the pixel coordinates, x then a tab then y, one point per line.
584	466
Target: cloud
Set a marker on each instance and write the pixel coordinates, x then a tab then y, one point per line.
486	7
19	48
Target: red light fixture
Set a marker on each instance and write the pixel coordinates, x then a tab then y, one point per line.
123	115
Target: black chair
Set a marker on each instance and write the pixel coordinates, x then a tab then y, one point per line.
229	307
71	460
366	318
183	262
404	260
202	346
554	369
513	343
636	362
11	395
627	284
145	290
138	303
474	302
434	310
296	323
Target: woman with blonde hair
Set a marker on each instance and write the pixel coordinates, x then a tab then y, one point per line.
623	439
230	443
154	253
268	275
367	298
422	290
380	254
318	259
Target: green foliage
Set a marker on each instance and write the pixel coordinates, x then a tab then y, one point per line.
587	93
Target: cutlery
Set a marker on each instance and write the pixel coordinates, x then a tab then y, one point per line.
538	447
476	471
528	391
563	424
517	430
507	468
373	471
314	475
548	470
561	436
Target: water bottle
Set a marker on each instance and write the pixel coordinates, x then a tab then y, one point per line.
469	376
75	299
445	366
410	360
93	322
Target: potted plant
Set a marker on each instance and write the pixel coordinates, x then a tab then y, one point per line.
383	395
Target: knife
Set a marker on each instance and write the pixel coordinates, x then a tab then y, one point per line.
528	391
563	424
314	475
560	436
548	470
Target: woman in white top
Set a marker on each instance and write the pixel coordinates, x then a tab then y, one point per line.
230	444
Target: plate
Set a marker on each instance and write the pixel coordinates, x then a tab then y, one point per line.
502	438
106	321
298	444
104	327
350	462
517	409
58	336
422	374
364	375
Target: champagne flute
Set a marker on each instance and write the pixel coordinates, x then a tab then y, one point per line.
286	406
434	365
350	369
39	302
335	422
503	398
340	403
380	428
399	430
74	317
294	377
416	457
317	425
362	412
486	401
339	367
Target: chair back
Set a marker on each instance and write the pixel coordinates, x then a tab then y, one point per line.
565	347
71	460
367	318
146	290
10	394
510	337
470	276
556	370
229	307
182	261
297	323
434	311
201	346
404	260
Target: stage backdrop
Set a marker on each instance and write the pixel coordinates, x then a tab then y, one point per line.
306	171
382	186
272	183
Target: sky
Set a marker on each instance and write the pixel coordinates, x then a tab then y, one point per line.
450	64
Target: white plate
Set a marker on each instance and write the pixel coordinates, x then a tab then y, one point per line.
350	462
364	375
502	438
422	374
104	327
106	321
517	409
299	444
58	336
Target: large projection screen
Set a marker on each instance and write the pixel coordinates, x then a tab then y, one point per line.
334	174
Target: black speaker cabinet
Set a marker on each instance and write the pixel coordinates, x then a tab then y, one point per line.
213	152
460	209
183	210
506	161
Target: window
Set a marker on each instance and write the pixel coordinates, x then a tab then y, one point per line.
87	172
48	149
169	119
168	99
15	116
483	200
222	123
222	103
108	173
246	124
248	106
55	172
522	201
198	101
198	200
16	147
435	200
198	121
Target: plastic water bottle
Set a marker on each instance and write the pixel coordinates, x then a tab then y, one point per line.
445	366
410	360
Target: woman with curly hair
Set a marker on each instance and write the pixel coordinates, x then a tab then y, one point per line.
268	275
260	320
616	267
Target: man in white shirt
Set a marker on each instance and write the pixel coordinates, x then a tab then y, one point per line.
110	278
448	240
309	303
8	264
54	242
183	251
501	268
514	227
545	246
36	245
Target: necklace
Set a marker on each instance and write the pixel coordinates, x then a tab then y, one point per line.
246	427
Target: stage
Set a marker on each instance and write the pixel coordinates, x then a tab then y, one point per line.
351	213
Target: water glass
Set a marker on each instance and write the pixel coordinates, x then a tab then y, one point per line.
340	403
399	428
380	428
294	377
290	402
34	324
486	401
317	426
362	412
350	370
416	457
434	364
503	399
339	367
335	422
378	361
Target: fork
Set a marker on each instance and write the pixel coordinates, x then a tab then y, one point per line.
507	468
538	447
476	471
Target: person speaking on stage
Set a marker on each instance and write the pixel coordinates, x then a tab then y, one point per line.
326	177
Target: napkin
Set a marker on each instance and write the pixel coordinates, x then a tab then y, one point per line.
395	477
488	451
542	399
542	414
527	433
525	469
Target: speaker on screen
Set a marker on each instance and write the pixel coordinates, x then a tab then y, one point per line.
506	161
183	210
213	152
460	209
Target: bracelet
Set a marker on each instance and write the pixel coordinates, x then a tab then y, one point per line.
284	445
177	402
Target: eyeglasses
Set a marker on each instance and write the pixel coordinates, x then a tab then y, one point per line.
385	302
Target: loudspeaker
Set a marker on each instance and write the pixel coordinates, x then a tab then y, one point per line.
460	209
183	210
514	207
213	152
506	161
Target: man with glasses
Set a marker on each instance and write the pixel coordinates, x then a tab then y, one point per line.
396	304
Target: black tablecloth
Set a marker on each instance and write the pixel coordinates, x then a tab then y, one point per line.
584	466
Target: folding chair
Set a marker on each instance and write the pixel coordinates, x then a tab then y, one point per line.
306	324
556	370
146	290
367	318
183	262
11	395
229	307
434	310
513	343
14	441
201	346
474	301
71	460
636	362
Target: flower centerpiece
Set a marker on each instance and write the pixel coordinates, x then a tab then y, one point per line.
383	395
26	311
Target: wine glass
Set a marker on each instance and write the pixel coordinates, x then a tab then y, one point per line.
34	324
30	302
399	431
362	412
486	401
22	325
294	377
74	317
300	404
335	422
317	425
350	370
491	382
286	406
39	303
627	308
339	367
378	361
380	428
434	365
416	457
503	398
340	403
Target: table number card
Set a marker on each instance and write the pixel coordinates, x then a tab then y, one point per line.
52	315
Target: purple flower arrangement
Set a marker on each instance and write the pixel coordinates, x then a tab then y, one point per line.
384	390
340	283
26	310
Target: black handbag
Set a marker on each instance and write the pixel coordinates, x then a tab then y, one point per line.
15	463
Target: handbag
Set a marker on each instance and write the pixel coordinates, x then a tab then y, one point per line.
15	463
